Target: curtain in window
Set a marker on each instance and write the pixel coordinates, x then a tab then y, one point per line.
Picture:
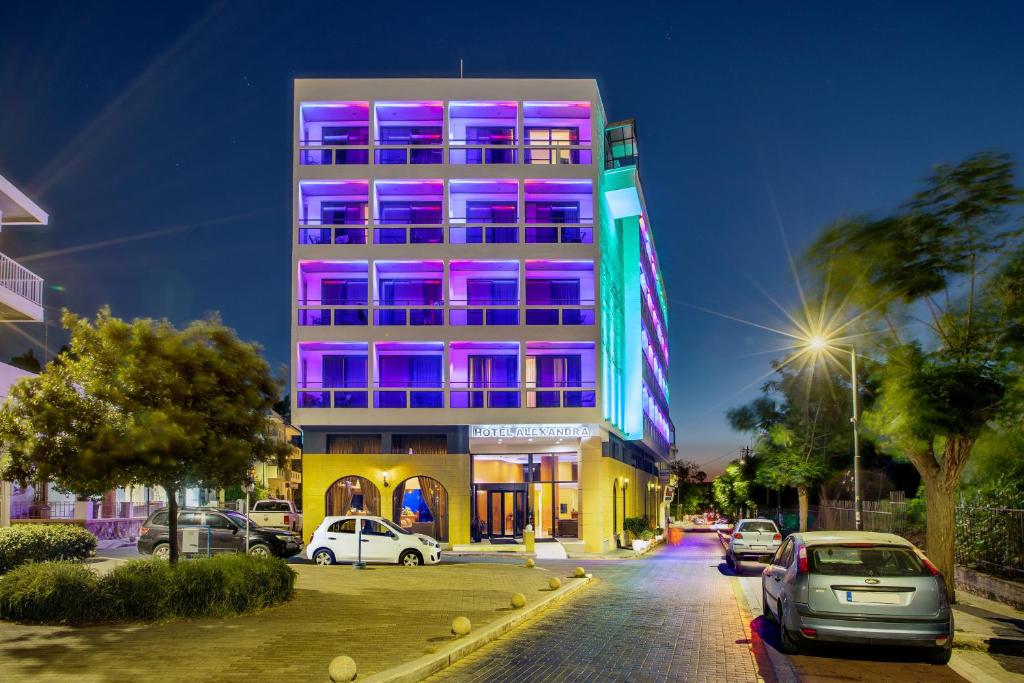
345	135
344	371
343	292
413	213
552	212
343	213
490	211
553	292
491	292
410	371
402	292
436	499
352	495
559	371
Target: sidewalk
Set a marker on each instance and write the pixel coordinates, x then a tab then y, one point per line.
382	616
989	640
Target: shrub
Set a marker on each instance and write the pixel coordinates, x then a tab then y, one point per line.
646	535
50	593
143	590
658	531
43	542
635	526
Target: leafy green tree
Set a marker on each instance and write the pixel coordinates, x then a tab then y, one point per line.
733	490
691	490
939	283
788	459
142	403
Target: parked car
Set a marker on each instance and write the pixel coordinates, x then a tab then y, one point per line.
277	514
857	587
221	530
723	524
337	539
752	539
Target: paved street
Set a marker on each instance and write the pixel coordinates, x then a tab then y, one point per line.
679	615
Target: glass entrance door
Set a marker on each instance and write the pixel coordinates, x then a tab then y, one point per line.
506	511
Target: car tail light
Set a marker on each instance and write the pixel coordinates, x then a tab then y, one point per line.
143	530
809	632
931	567
740	536
777	537
803	566
942	640
287	519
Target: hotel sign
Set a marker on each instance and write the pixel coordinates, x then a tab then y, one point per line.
521	431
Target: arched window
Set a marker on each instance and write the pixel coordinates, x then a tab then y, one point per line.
352	495
420	504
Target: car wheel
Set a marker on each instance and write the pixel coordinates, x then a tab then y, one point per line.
410	558
259	550
323	557
790	644
162	551
940	655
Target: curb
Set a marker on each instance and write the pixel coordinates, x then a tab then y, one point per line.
421	667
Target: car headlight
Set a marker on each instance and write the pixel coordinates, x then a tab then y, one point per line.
425	541
284	537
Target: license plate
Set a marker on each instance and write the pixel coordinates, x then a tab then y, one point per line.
872	598
759	547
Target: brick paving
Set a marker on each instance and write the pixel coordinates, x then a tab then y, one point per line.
380	617
673	616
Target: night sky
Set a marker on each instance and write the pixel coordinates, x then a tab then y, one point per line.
158	137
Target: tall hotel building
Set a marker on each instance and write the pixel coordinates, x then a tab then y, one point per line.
479	325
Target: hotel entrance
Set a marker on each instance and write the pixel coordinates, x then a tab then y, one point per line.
500	511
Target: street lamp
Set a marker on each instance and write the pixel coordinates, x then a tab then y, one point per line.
819	344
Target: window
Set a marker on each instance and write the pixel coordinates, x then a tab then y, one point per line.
190	519
345	135
353	443
344	372
428	444
410	371
343	213
552	292
784	555
217	521
272	506
159	518
344	526
764	527
552	212
410	135
343	292
490	135
490	212
413	213
373	528
855	560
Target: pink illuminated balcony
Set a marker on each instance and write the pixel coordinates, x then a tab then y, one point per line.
333	293
559	211
482	132
333	211
557	132
559	292
409	212
484	374
409	132
560	375
483	293
408	293
408	375
334	133
483	211
331	374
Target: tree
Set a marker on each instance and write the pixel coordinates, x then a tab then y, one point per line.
788	459
939	283
733	489
691	491
142	403
27	362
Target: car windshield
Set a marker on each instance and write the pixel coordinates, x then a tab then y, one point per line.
762	527
271	506
865	560
239	519
392	525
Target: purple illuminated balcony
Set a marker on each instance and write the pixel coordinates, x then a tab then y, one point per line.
333	293
334	133
331	375
333	211
559	292
560	375
408	375
409	293
409	133
484	293
559	211
412	210
482	132
484	374
557	132
483	211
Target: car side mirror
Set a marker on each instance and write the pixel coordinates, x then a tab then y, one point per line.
234	530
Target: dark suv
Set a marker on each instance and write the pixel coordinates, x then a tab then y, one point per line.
219	530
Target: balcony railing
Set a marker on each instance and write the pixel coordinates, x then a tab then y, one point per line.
559	234
18	279
485	395
317	395
473	152
412	313
311	231
394	395
581	313
404	154
461	312
409	234
461	395
334	155
561	395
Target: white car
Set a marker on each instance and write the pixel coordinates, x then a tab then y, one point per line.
752	539
338	539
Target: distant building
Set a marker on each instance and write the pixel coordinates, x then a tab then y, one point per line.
479	324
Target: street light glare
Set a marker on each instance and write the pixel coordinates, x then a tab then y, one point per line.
817	343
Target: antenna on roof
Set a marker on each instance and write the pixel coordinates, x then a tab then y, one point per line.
460	67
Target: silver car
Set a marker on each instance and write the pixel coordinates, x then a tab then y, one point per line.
857	587
752	539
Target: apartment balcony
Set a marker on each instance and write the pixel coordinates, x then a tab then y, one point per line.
334	133
560	292
21	292
482	132
409	133
408	293
333	293
560	375
559	211
409	375
409	212
333	211
331	375
557	133
483	211
483	293
484	375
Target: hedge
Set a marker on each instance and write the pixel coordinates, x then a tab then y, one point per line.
143	590
24	543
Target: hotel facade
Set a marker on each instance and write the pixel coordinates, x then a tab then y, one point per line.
479	324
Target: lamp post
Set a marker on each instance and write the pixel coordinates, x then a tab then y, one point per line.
625	485
820	344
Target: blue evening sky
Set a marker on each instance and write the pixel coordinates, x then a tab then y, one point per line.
157	135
